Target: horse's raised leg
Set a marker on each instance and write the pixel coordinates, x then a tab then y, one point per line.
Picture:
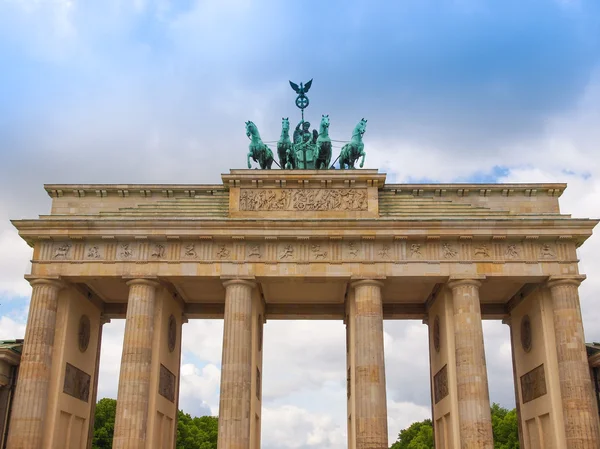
362	162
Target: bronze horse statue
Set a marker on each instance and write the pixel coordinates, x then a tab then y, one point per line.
355	148
285	149
259	152
323	145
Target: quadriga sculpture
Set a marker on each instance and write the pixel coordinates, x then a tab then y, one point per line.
259	152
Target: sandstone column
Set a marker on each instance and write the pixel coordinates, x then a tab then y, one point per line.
236	366
581	422
31	396
475	421
370	400
134	380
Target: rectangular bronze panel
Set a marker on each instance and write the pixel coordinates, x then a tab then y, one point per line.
533	384
166	383
440	384
77	383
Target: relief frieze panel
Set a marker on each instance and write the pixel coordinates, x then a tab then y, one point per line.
309	250
303	200
533	384
77	383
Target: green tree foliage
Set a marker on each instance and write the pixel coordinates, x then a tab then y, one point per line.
196	433
192	433
504	427
418	436
104	423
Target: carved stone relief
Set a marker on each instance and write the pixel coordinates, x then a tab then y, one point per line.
547	252
533	384
385	251
482	251
512	251
77	383
126	251
223	252
62	251
189	251
449	251
166	383
159	251
415	251
83	333
318	253
294	250
254	251
93	252
303	199
440	384
353	250
287	252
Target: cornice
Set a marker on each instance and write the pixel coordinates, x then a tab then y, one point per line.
567	228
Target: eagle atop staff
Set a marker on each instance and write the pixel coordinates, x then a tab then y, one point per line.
303	89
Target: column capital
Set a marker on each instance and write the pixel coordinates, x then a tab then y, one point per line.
104	320
575	280
54	281
456	281
248	282
151	282
359	282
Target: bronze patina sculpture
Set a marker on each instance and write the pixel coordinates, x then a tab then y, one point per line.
259	152
323	144
285	150
307	149
355	148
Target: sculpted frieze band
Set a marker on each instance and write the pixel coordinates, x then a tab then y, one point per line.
308	250
303	199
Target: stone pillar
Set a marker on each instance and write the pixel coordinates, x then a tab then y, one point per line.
370	418
31	396
131	420
475	421
581	422
236	366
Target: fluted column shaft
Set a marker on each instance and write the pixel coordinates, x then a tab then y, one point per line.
131	420
581	421
475	421
31	395
236	367
370	401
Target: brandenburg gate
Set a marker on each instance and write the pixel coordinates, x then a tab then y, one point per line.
303	244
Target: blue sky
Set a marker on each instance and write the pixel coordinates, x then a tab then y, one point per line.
157	91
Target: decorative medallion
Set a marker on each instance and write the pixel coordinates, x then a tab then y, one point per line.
83	333
172	333
526	333
436	334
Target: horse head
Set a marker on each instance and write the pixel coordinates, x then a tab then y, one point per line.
324	123
360	128
251	129
285	124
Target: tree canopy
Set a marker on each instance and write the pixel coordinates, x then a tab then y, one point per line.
419	435
192	433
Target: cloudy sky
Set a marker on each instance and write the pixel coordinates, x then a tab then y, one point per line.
132	91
